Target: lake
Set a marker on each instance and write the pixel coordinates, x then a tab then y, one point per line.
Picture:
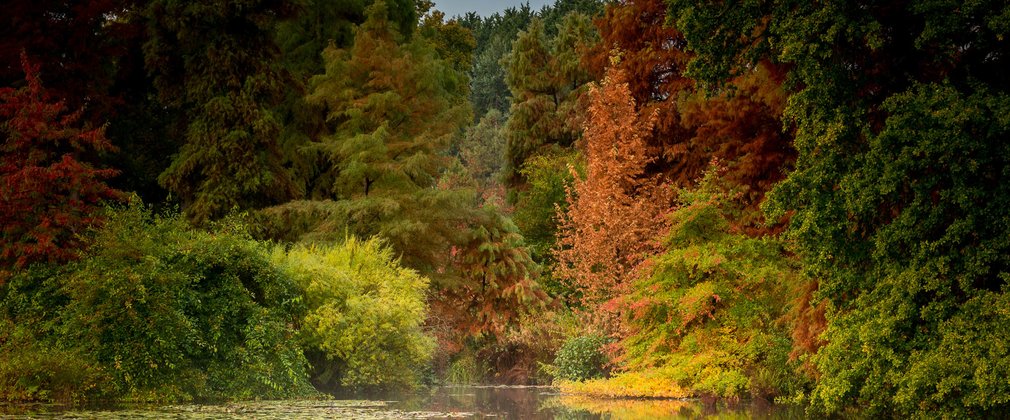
437	403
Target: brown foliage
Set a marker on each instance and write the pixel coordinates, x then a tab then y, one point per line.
653	58
617	212
808	321
739	124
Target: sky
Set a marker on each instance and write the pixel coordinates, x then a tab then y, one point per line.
483	7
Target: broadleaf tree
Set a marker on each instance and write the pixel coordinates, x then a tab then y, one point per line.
49	191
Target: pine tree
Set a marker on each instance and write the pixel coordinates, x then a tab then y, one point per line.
49	195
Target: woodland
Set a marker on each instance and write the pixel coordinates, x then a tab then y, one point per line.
796	201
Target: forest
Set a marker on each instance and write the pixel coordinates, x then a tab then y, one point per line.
801	202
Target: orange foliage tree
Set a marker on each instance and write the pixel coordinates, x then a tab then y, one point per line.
617	212
653	56
739	125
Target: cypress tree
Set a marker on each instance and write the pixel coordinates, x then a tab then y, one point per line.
391	110
217	63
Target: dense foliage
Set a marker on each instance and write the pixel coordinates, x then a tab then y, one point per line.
617	211
581	358
217	63
458	198
48	194
155	311
711	310
362	328
901	120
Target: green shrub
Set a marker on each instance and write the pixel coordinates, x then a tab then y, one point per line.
156	311
466	370
710	312
581	358
363	328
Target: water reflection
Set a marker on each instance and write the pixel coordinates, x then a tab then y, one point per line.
436	403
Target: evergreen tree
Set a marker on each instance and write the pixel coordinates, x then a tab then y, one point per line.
482	153
546	87
487	78
391	111
216	61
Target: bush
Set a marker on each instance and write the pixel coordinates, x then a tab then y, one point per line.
711	311
581	358
363	328
536	212
155	311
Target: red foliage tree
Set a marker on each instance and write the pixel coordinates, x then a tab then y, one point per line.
48	197
617	212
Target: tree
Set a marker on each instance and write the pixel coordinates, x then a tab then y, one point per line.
391	110
546	87
739	124
482	153
901	113
49	193
498	281
708	314
616	213
493	35
453	42
217	63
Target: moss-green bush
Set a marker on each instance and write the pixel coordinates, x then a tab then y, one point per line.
581	358
155	311
363	328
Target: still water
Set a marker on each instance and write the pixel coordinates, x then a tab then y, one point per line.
438	403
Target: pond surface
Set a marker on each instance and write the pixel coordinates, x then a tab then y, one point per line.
437	403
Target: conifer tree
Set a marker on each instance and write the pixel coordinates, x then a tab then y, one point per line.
391	111
616	212
482	153
545	88
217	63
